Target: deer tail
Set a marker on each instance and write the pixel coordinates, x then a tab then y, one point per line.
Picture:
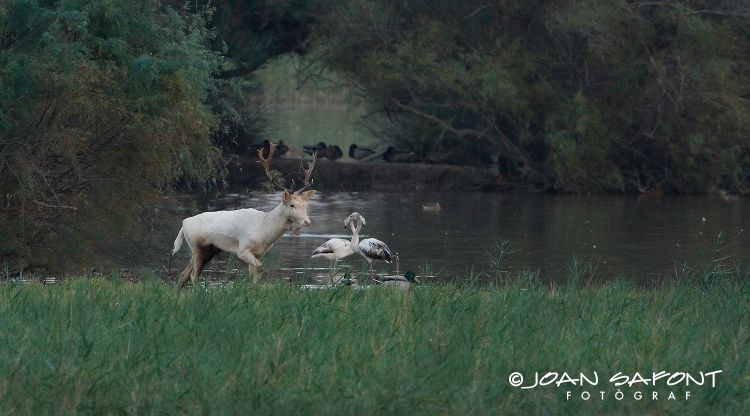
178	242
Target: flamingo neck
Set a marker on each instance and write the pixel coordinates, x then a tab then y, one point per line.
355	235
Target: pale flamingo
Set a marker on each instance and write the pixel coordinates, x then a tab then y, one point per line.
334	250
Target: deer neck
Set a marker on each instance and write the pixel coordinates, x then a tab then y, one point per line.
276	224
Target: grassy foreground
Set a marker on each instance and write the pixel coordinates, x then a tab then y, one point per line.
102	347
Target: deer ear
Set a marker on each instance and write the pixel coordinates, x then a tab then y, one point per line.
286	197
307	195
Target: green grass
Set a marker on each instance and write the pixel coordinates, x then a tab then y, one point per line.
105	346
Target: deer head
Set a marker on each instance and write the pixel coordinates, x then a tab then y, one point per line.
294	202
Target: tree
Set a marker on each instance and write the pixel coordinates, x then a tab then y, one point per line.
102	106
572	96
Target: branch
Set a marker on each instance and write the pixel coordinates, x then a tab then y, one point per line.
442	123
46	205
480	8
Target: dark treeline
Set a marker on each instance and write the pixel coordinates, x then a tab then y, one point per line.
570	96
105	105
575	96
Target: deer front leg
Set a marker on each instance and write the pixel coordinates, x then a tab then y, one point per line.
253	264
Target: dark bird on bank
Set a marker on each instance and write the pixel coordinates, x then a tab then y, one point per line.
313	149
265	145
332	153
281	148
359	153
397	156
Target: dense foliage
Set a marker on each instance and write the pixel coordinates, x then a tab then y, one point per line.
102	106
571	95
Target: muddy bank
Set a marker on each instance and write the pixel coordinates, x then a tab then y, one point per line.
373	176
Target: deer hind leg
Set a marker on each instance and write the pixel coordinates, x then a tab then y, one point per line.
185	275
253	264
201	256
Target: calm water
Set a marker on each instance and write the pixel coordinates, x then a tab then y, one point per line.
642	238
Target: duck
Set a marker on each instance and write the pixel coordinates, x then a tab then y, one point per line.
333	152
432	207
347	280
401	282
313	149
728	197
397	156
359	153
281	148
265	145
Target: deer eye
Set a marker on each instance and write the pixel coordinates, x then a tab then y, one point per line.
291	205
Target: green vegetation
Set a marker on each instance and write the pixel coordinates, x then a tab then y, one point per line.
101	347
103	106
572	95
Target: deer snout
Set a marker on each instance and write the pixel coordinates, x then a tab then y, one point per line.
306	222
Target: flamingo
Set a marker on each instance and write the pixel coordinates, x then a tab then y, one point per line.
370	248
334	250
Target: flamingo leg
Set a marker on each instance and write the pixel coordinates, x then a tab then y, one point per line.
332	273
372	271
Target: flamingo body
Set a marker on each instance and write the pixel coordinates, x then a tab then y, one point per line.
374	249
333	250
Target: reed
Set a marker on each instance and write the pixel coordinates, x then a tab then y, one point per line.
103	346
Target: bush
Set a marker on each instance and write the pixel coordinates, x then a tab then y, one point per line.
102	106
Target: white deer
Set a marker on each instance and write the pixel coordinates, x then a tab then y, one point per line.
248	233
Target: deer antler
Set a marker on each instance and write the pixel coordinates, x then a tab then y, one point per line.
267	166
308	173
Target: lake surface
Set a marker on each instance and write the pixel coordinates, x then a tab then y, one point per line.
640	238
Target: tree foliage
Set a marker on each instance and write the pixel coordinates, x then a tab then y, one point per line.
102	106
572	95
